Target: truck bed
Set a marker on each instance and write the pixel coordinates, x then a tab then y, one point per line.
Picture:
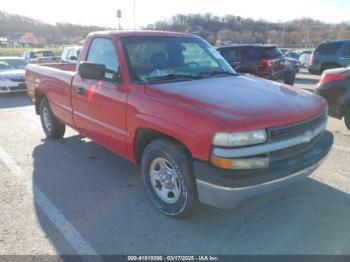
55	80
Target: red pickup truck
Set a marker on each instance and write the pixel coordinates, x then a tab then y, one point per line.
170	102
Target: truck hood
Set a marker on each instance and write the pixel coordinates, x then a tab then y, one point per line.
340	70
13	72
242	102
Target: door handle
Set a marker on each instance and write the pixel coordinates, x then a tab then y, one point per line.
80	90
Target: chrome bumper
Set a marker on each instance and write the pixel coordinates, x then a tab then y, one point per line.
11	89
226	197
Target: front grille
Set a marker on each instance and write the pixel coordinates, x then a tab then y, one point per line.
19	87
292	152
288	131
17	79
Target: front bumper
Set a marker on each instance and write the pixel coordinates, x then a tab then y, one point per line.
226	188
12	87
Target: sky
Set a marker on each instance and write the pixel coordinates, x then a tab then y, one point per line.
103	12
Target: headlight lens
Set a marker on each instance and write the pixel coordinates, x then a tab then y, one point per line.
2	78
240	138
240	163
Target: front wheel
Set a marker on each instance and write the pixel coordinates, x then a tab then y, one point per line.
51	126
168	177
347	118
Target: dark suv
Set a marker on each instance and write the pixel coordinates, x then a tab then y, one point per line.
334	86
266	61
330	54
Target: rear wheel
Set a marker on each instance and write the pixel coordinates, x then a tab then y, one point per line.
168	177
289	78
347	117
51	126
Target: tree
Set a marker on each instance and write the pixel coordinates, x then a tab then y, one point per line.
30	38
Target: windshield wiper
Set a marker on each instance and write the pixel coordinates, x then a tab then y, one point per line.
217	73
169	77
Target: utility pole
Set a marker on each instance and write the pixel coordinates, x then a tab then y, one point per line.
119	15
284	29
134	14
307	39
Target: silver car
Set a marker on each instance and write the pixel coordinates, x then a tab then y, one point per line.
12	70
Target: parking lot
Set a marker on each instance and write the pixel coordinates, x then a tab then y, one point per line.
72	196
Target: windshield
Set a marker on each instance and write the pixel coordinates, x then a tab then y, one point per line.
40	54
168	58
269	52
273	52
10	64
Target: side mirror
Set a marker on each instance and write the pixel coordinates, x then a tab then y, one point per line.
92	71
98	72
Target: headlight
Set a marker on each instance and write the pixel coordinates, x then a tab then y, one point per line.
3	78
240	138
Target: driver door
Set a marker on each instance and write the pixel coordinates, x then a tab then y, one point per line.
99	106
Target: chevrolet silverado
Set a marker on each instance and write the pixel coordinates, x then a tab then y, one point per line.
171	103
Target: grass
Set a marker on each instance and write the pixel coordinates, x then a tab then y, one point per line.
19	51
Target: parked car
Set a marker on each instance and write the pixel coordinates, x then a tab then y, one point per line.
70	54
292	64
262	60
292	54
171	103
334	86
307	51
305	60
330	54
40	56
12	74
285	50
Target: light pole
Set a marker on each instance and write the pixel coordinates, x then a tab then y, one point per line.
134	14
119	15
284	29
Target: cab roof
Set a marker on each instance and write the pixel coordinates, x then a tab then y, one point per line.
247	45
140	33
337	41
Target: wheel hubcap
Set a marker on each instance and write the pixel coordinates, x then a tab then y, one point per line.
46	118
165	180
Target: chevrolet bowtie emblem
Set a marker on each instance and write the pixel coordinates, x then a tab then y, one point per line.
308	136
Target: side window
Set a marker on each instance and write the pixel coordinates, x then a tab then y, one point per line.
231	54
102	51
69	54
346	50
256	53
328	48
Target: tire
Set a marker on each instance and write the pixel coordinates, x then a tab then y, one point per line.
164	157
289	78
52	127
347	118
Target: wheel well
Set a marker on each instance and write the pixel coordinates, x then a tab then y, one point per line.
344	107
38	96
325	65
144	136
